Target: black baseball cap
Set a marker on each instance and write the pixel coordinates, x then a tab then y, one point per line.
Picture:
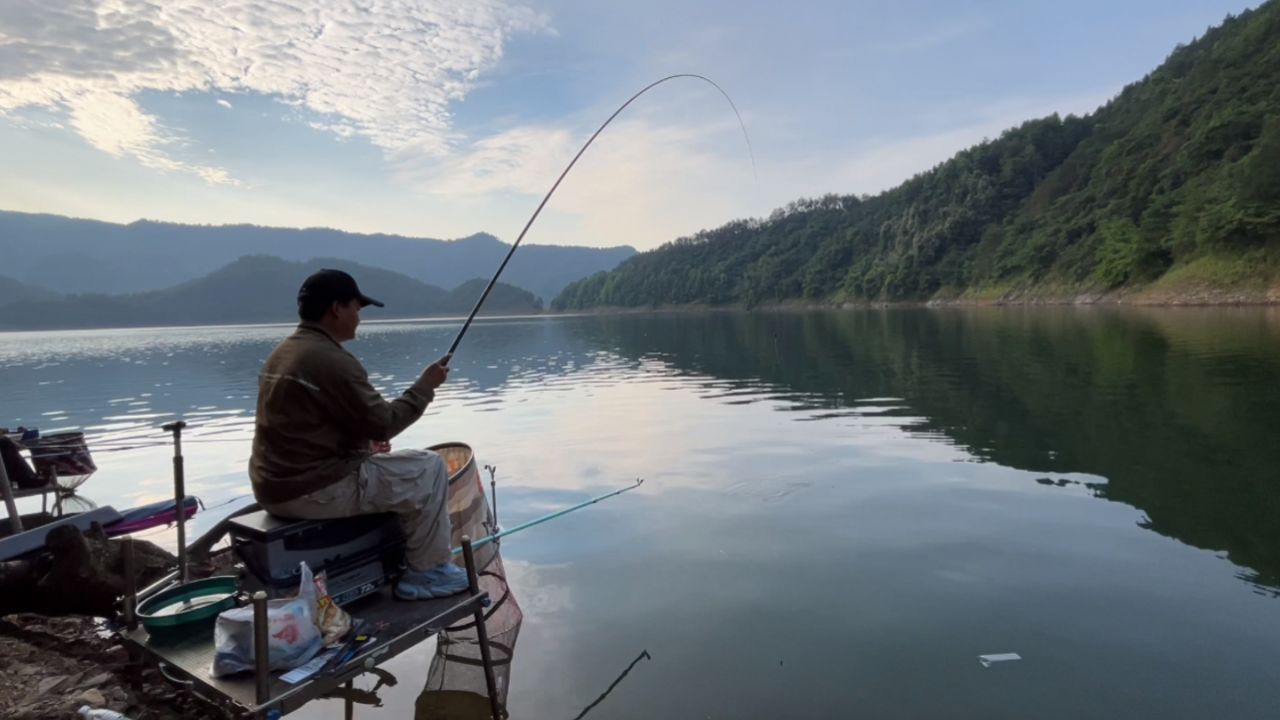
329	285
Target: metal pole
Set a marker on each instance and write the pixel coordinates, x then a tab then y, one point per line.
493	492
15	520
261	648
179	496
130	584
155	587
473	583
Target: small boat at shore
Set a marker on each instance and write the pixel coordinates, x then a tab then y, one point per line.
156	514
113	523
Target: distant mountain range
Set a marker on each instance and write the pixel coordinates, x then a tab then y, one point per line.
69	255
254	288
12	290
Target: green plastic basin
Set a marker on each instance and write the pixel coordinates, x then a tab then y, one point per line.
186	611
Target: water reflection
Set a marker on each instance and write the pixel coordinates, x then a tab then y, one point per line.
1169	411
842	509
120	386
1173	411
644	655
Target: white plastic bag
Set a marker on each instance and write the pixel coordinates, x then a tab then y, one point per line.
292	635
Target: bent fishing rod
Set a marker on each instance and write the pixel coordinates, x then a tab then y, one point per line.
494	280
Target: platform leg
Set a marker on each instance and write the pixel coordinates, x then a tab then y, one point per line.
179	496
261	648
130	583
349	705
473	581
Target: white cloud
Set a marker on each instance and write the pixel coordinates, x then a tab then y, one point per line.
523	159
645	182
385	70
641	183
118	127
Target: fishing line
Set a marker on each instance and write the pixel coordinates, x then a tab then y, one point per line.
466	325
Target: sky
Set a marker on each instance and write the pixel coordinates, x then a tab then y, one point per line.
443	119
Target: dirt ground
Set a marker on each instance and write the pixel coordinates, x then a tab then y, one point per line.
51	666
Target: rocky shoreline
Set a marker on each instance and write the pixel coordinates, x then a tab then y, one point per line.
55	665
1206	297
59	653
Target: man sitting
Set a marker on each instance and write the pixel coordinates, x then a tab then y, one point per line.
318	423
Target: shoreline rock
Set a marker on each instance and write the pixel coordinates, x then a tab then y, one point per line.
54	665
80	574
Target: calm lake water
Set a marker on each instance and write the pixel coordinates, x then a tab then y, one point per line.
842	510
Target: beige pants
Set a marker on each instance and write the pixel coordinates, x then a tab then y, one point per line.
413	484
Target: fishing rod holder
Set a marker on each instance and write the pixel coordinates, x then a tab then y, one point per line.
493	495
179	495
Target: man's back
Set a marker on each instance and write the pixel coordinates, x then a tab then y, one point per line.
303	440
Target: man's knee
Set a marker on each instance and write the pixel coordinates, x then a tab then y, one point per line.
407	481
421	455
433	466
432	478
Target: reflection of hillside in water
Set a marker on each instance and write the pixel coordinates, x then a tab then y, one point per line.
1176	409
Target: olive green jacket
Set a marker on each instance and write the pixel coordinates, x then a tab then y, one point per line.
317	413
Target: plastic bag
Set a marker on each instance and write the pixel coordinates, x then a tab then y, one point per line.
334	622
292	635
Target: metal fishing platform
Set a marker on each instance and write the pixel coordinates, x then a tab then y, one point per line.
361	557
263	694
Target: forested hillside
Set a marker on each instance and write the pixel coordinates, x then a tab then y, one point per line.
1177	179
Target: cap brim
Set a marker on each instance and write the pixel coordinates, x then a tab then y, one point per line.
366	301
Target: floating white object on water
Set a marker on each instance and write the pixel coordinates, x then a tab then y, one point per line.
988	660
